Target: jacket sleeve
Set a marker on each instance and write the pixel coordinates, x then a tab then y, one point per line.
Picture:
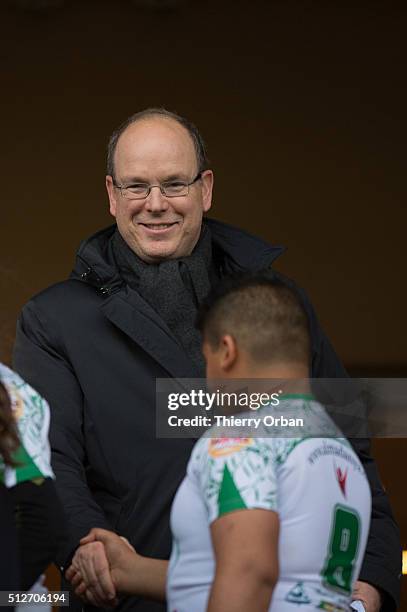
382	563
39	358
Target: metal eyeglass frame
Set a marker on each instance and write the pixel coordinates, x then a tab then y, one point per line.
160	186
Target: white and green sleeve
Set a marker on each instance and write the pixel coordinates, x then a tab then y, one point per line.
32	415
235	474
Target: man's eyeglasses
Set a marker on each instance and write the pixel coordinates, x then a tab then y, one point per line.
169	189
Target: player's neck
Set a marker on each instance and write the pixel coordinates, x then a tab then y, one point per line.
289	377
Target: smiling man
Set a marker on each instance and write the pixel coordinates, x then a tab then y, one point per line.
158	189
93	346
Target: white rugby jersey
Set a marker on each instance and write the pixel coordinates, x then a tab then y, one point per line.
318	488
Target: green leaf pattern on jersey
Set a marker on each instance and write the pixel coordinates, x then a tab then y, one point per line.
33	416
254	467
242	479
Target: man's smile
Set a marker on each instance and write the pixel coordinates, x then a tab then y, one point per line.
158	228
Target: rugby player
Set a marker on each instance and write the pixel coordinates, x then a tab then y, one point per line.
261	523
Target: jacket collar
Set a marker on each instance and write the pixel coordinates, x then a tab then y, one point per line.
94	263
242	252
129	312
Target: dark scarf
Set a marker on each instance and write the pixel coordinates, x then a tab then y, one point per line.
174	288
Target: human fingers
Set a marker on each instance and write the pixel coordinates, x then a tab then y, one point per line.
92	599
83	562
91	596
70	572
94	567
76	579
80	588
103	575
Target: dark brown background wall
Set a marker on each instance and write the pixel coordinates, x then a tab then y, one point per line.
303	107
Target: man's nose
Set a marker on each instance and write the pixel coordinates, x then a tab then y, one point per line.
156	201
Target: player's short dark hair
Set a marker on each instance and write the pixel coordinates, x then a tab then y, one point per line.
265	316
198	142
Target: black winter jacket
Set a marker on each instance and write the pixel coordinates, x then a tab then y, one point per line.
93	348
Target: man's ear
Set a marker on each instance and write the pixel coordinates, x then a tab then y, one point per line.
207	187
228	352
112	195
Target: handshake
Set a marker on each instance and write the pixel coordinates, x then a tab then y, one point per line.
106	565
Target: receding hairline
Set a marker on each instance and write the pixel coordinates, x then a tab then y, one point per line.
151	115
154	119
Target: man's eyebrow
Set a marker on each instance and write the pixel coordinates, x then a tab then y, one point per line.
170	177
174	177
134	179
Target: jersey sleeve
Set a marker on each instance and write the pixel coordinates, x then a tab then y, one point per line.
32	414
235	474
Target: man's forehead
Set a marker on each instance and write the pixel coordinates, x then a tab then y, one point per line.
155	140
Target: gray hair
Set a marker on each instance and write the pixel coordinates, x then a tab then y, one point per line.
199	145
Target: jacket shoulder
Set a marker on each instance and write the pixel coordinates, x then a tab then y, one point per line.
58	314
64	293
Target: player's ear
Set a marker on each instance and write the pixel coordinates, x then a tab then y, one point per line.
228	352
